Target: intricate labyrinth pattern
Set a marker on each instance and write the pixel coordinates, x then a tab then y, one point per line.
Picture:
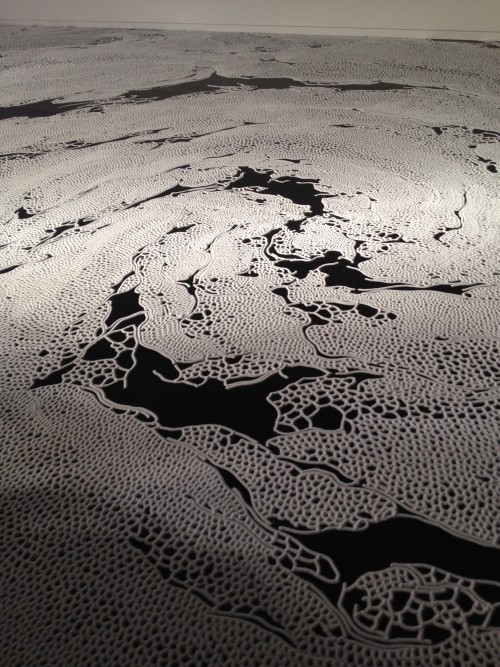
249	372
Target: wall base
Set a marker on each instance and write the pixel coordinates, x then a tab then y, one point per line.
287	29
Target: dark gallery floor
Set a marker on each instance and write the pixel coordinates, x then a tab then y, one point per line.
249	350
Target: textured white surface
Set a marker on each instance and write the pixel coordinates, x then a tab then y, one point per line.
317	367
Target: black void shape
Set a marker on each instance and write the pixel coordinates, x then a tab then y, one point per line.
243	409
9	268
23	214
152	384
66	226
125	305
343	273
300	191
175	190
215	83
338	270
404	539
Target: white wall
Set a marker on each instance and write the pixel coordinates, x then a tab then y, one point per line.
466	19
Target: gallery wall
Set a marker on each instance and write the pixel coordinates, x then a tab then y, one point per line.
466	19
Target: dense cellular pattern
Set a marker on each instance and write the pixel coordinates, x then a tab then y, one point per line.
249	364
